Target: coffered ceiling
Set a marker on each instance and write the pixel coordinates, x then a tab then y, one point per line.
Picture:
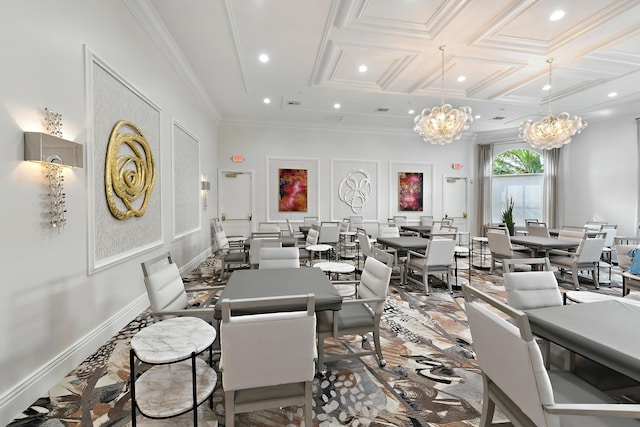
315	48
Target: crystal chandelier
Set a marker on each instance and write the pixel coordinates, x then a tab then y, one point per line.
551	131
444	124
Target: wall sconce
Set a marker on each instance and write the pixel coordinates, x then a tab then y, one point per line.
205	186
54	153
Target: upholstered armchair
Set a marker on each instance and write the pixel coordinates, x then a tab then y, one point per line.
268	360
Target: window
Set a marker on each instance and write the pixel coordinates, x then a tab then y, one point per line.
518	174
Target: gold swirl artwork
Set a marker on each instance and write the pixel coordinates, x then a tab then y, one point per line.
130	171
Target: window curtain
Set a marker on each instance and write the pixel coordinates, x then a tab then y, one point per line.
485	162
551	161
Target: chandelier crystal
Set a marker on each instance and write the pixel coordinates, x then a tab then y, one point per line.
444	124
551	131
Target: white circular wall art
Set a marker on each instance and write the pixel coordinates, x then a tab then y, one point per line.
355	189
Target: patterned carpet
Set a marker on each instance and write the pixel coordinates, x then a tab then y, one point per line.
431	377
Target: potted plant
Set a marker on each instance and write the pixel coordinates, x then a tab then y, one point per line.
507	217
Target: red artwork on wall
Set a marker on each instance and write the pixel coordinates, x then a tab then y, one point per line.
410	191
293	190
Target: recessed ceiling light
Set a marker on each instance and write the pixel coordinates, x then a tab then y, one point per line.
557	15
264	57
336	106
267	101
546	87
477	116
462	78
411	111
362	68
612	94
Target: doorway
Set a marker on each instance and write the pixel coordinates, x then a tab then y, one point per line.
235	202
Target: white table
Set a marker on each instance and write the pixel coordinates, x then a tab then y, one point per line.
166	389
320	249
339	268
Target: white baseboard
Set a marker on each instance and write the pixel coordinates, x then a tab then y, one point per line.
37	385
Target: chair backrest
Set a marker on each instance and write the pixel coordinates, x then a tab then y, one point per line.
221	241
374	282
590	250
165	288
537	229
312	237
310	220
384	257
509	356
216	224
528	220
444	222
440	252
499	241
365	243
610	231
622	247
384	230
356	222
572	234
285	339
269	226
426	220
256	246
399	220
289	227
329	233
287	257
446	232
531	289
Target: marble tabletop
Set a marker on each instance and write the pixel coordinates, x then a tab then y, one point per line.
173	339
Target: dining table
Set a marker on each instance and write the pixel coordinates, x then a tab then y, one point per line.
404	243
281	282
537	244
603	331
285	240
422	230
555	232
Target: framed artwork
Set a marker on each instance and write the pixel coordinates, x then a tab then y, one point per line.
292	188
110	100
293	184
410	191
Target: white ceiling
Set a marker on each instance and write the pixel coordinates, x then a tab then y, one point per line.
316	46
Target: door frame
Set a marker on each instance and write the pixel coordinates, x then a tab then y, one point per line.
251	173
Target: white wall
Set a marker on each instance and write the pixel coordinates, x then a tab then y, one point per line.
52	313
256	143
599	175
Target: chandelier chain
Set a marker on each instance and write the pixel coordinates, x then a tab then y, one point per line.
442	48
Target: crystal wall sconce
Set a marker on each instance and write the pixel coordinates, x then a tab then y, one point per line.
54	153
205	186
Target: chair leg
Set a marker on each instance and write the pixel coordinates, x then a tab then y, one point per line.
488	406
321	367
576	280
425	279
308	409
376	340
595	278
229	408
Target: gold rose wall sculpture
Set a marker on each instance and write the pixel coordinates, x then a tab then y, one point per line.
130	171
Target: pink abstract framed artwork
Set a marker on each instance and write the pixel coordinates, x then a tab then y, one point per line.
410	191
292	190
